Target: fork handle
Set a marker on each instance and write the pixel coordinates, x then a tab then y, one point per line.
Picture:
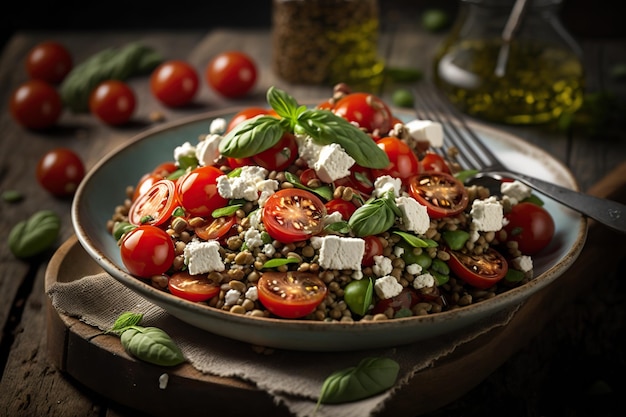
607	212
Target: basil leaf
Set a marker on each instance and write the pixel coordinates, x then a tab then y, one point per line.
152	345
338	227
276	262
358	295
121	228
455	239
324	191
325	128
126	320
284	105
251	137
372	218
226	211
33	236
415	241
370	377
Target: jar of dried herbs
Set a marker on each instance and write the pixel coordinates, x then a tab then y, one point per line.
327	42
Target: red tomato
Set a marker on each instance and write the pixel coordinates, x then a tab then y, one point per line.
155	206
36	105
217	228
174	83
434	162
165	169
531	226
238	162
145	183
60	171
326	105
403	163
192	287
369	111
441	193
232	74
291	294
245	114
308	175
293	215
48	61
113	102
405	300
147	251
373	247
346	208
480	271
361	179
197	191
279	156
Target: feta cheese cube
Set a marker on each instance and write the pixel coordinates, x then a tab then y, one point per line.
487	215
423	281
386	183
252	294
202	257
207	151
414	215
218	126
515	190
308	150
231	297
414	269
253	239
387	287
428	130
523	263
382	265
331	218
341	252
333	163
243	186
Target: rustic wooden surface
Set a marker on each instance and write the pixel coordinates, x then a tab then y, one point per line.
32	386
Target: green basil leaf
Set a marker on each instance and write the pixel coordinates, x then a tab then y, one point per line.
372	218
325	128
12	196
226	211
284	105
152	345
455	239
121	228
358	295
324	191
276	262
33	236
415	241
338	227
125	320
465	175
513	275
370	377
251	137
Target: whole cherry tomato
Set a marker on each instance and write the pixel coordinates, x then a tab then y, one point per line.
174	83
60	171
36	105
245	114
147	251
197	191
345	208
373	247
232	74
279	156
531	226
113	102
403	162
48	61
370	112
434	162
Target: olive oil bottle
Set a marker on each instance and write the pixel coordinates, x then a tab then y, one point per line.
532	78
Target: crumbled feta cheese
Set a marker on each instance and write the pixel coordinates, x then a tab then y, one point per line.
387	287
316	242
331	218
252	294
253	239
423	281
266	188
386	183
426	130
523	263
333	163
255	219
357	275
207	150
308	150
218	126
243	186
186	150
414	269
398	251
382	266
202	257
269	249
341	252
231	297
515	190
414	215
163	380
487	215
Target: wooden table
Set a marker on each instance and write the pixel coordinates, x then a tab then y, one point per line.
31	385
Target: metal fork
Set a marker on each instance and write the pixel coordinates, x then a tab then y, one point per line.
431	104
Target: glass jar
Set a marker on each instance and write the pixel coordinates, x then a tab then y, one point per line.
327	42
533	78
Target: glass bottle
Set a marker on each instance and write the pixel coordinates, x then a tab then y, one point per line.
533	78
327	42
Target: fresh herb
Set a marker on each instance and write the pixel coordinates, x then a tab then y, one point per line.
121	228
455	239
34	235
358	295
12	196
276	262
375	216
370	377
415	241
226	211
323	191
341	227
324	127
149	344
465	175
513	275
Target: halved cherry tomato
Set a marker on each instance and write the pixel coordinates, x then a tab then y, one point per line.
48	61
193	287
60	171
441	193
238	162
345	208
165	168
434	162
174	83
155	206
36	105
113	102
293	215
531	226
147	251
245	114
403	162
279	156
480	271
145	183
197	191
370	112
405	300
373	247
291	294
217	228
231	73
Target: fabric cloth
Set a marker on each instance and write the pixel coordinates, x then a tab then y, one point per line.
99	299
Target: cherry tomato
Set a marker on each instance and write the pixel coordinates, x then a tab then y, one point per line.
405	300
197	191
239	162
403	162
48	61
369	111
245	114
326	105
308	175
155	206
531	226
232	74
373	247
145	183
480	271
217	228
193	287
293	215
291	294
36	105
361	179
441	193
147	251
279	156
113	102
346	208
60	171
174	83
165	169
434	162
